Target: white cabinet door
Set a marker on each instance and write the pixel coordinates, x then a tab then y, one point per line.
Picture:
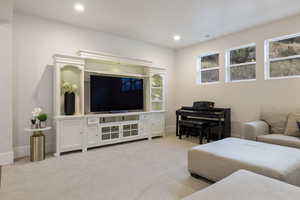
145	127
92	135
71	134
157	124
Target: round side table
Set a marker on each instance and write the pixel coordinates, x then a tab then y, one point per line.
37	143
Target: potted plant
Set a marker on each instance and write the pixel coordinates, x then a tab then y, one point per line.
35	113
42	119
69	97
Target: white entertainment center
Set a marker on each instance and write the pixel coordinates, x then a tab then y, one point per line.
85	130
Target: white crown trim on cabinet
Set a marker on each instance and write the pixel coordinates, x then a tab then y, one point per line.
68	59
116	59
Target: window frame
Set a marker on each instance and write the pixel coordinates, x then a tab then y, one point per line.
268	60
228	65
199	68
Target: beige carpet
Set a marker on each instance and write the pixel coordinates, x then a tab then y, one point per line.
155	169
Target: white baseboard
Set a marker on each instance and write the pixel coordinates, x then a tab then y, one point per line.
6	158
22	151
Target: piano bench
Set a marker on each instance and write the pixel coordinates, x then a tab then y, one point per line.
196	124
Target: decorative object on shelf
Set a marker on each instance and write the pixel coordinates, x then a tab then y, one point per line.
157	91
34	120
157	81
69	97
42	120
156	97
33	123
38	119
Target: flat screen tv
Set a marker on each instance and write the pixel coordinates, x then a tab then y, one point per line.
115	94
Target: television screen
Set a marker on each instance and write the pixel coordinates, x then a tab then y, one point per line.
115	94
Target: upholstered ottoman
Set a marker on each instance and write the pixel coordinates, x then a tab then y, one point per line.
217	160
245	185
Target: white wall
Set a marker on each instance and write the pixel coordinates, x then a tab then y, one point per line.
6	154
6	11
35	40
246	99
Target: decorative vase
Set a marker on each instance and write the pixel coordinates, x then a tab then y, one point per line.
43	124
69	103
33	123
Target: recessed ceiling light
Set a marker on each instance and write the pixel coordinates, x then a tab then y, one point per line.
78	7
177	37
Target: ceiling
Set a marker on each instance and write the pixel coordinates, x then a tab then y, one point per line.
157	21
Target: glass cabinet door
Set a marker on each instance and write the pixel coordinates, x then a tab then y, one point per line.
157	92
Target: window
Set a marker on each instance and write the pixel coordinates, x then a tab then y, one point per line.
282	57
241	63
208	68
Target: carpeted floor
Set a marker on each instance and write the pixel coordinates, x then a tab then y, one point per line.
152	170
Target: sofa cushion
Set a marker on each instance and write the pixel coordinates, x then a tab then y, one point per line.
219	159
276	118
247	186
280	139
291	126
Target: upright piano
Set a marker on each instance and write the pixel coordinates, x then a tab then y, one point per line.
204	113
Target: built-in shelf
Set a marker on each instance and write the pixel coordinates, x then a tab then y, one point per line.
157	91
86	130
68	70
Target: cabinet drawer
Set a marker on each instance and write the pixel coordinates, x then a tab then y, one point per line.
92	120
